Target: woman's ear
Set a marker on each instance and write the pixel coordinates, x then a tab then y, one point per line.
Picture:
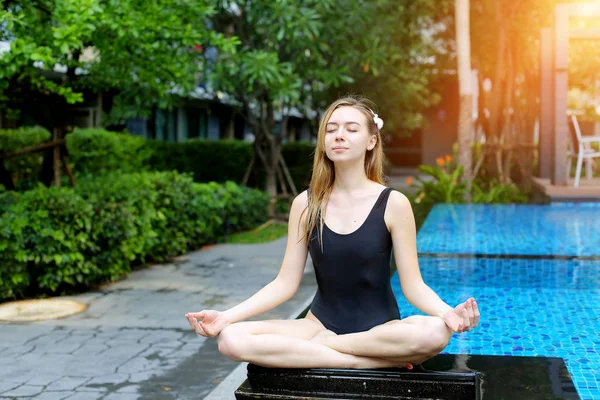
372	143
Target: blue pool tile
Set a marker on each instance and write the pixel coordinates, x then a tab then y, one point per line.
559	230
528	308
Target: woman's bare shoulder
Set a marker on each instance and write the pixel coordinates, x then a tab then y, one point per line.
398	204
299	204
301	201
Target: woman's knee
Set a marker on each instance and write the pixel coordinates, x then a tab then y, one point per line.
232	342
435	338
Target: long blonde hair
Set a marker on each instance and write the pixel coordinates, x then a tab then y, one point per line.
323	174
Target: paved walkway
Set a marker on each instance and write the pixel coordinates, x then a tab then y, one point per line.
133	341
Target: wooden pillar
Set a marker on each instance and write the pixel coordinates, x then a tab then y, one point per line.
546	139
561	86
99	110
56	157
230	127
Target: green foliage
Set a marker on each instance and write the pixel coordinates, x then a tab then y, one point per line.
387	59
62	239
446	187
299	159
55	237
14	276
495	192
303	54
143	50
24	169
97	151
207	160
445	184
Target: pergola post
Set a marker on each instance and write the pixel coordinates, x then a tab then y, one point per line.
561	87
557	92
546	139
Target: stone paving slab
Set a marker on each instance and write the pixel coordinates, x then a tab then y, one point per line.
133	341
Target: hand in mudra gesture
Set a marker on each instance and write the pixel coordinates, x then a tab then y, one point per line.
211	325
463	317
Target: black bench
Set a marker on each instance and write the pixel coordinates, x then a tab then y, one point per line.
446	376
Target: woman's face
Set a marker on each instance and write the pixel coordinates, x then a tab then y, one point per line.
347	136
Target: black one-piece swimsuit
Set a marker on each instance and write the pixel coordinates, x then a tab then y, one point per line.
353	275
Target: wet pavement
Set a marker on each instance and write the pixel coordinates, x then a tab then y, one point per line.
133	341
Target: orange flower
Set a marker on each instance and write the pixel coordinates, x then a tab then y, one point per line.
409	180
448	158
439	161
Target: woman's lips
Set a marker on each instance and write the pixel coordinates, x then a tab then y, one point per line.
339	148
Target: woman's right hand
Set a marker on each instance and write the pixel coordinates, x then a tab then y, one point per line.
213	322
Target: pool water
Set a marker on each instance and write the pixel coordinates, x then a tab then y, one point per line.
538	291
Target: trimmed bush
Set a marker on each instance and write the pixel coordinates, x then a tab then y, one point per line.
97	152
299	159
206	160
14	275
63	239
53	236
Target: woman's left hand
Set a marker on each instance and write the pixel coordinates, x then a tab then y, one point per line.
463	317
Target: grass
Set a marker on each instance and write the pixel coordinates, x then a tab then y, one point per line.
263	234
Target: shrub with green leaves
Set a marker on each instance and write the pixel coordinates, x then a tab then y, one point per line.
206	160
54	237
14	275
446	185
97	151
62	239
24	170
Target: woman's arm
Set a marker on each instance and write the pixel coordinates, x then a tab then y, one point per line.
285	285
401	223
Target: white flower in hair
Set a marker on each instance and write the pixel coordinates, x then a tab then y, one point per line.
378	121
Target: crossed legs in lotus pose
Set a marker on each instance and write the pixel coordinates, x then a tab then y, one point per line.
306	343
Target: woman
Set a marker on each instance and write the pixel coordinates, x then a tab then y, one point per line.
349	222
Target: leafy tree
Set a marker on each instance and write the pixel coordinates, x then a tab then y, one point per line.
138	52
304	54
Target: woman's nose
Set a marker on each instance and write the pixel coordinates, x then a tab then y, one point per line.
339	133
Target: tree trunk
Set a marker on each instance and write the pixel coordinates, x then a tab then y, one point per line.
465	121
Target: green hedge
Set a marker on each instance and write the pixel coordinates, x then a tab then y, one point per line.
299	159
97	152
54	240
23	169
218	161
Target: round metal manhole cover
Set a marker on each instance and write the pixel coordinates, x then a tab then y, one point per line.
38	310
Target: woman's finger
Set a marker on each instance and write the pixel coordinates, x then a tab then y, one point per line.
465	315
196	326
470	312
476	314
209	332
197	315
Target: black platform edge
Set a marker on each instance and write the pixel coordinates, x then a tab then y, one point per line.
376	384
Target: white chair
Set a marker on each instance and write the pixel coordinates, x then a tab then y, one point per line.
581	147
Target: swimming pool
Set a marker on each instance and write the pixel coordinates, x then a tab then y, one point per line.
535	272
